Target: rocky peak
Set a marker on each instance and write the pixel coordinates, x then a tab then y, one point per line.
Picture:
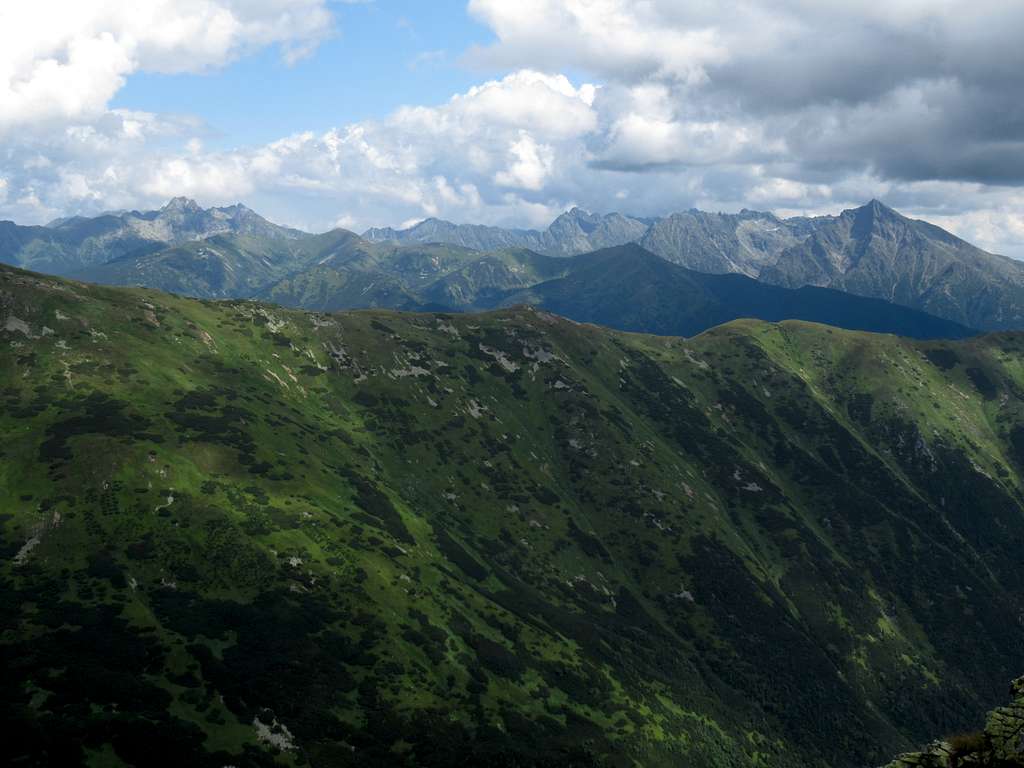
575	220
580	213
181	205
876	211
874	219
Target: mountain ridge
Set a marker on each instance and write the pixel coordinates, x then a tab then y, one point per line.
74	243
671	300
380	538
871	251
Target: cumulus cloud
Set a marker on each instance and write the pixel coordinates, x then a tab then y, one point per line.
797	103
64	60
909	89
800	106
468	158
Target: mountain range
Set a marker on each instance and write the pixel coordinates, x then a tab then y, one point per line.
237	534
625	287
870	252
631	289
70	244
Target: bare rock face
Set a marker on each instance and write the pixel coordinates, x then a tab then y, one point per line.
745	242
874	251
1000	744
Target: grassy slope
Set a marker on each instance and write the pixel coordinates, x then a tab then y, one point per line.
428	539
381	275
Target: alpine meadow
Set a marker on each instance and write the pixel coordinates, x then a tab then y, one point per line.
591	384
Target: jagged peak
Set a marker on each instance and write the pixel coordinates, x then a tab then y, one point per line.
182	204
575	214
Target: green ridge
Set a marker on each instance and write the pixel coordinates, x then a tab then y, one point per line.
235	534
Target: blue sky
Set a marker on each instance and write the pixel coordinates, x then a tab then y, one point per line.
384	54
509	112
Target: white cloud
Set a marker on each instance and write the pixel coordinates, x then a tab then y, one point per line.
470	158
616	38
911	89
65	59
531	164
793	105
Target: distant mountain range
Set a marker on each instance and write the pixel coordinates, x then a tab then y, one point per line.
871	252
68	245
572	233
624	287
707	242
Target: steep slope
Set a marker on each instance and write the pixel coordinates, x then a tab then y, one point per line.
386	275
484	281
410	276
631	289
224	266
874	251
69	245
238	535
746	242
997	745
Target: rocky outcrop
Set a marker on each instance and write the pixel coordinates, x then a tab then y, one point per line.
999	745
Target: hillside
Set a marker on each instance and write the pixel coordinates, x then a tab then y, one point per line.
384	539
384	275
997	744
224	266
631	289
626	287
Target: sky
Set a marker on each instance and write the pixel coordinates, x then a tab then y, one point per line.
325	113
